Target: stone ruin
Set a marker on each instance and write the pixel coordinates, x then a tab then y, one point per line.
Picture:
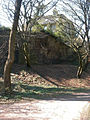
42	47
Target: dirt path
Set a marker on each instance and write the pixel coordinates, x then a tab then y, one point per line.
42	110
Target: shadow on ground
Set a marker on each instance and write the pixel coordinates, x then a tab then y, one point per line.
24	91
57	74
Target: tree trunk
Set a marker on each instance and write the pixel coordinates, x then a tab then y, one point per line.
26	54
11	49
83	62
80	68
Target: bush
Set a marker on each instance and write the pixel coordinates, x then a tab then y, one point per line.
37	28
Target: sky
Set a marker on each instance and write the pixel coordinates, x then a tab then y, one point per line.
4	18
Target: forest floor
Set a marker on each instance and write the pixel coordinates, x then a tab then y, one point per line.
45	92
48	81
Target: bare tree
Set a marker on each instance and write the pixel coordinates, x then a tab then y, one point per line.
31	12
11	49
78	12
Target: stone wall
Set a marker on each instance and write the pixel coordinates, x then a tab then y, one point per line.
4	37
43	49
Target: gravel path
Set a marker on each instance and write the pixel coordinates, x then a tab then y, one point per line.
42	110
